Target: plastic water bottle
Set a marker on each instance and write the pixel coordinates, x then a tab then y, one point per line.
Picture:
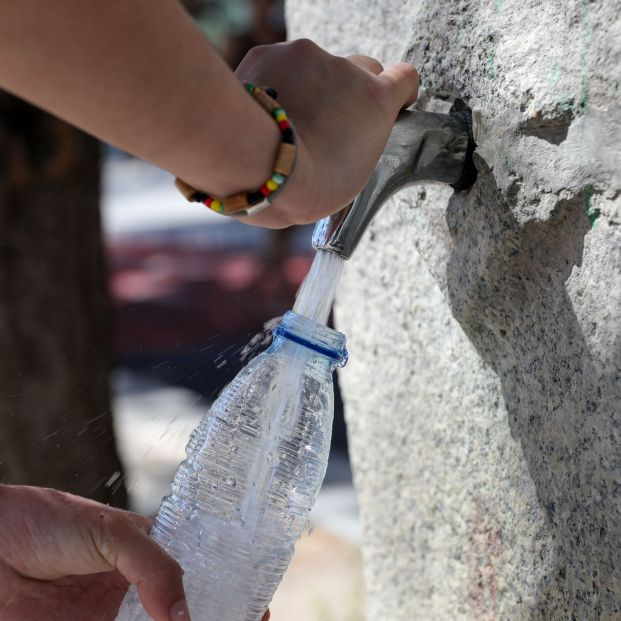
254	467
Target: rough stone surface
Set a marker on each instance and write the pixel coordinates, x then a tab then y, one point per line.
482	392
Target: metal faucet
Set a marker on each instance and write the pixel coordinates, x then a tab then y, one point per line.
423	147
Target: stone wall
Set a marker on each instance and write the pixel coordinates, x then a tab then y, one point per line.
482	393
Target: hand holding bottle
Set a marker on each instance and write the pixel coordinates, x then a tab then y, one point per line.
65	558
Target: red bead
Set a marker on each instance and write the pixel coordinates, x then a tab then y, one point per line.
265	190
284	124
208	201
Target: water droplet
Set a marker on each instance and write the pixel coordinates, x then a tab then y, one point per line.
112	480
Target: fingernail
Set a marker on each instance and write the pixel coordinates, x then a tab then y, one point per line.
179	611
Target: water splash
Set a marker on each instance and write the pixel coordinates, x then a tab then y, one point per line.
260	340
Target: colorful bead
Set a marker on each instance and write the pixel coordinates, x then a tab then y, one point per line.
265	101
283	166
187	190
254	198
287	136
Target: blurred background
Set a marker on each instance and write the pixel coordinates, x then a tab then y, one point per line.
124	310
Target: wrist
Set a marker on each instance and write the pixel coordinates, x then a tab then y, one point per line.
251	202
241	159
292	205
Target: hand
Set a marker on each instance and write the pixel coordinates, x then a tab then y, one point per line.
65	558
342	109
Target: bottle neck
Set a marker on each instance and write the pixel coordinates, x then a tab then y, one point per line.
311	341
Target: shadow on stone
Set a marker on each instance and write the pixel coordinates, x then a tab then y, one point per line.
507	289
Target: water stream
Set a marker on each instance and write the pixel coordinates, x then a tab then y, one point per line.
316	294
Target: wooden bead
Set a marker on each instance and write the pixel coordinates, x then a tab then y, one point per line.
185	188
285	159
235	203
265	101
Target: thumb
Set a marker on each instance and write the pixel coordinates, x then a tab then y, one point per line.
125	544
402	83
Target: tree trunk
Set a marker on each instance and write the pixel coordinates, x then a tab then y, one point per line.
55	420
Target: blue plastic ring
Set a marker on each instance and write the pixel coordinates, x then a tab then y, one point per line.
329	352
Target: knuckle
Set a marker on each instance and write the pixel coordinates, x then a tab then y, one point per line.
342	63
257	52
407	67
254	58
110	530
376	63
303	46
408	72
104	537
368	61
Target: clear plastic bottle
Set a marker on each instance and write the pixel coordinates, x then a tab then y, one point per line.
254	467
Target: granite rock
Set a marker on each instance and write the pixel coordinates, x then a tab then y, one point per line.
482	393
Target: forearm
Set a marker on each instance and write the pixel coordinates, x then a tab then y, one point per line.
139	74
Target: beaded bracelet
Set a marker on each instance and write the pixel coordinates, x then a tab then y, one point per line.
250	203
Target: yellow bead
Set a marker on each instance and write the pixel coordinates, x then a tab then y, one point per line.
272	185
281	116
217	206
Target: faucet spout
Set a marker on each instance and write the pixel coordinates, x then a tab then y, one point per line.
423	147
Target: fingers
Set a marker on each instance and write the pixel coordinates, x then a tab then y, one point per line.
402	82
266	616
50	535
366	62
125	544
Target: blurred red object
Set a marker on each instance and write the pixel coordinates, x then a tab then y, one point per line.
186	299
